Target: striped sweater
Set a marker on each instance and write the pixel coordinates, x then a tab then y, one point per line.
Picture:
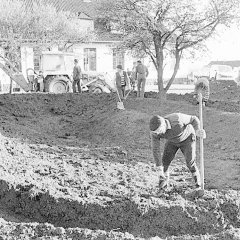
202	84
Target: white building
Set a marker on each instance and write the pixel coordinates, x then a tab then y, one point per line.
99	55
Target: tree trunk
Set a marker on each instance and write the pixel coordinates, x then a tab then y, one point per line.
161	91
11	86
176	67
159	68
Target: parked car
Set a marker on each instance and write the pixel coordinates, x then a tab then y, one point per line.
221	72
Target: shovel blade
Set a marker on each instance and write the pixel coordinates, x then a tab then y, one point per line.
120	105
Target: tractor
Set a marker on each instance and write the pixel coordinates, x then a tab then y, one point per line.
55	75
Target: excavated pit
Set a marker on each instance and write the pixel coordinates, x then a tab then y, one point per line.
162	216
77	162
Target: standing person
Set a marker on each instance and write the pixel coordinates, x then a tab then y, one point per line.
76	77
122	80
180	131
141	75
133	76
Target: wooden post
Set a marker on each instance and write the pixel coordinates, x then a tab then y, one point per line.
11	86
201	140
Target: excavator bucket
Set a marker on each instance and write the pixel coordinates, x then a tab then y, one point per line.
21	81
15	75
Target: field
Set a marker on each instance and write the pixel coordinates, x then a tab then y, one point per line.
73	166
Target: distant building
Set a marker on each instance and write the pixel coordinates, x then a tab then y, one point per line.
233	64
100	55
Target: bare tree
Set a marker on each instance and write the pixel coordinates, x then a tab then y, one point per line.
36	23
160	27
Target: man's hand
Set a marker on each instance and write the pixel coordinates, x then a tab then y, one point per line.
201	133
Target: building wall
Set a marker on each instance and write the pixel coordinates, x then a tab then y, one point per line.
104	57
86	24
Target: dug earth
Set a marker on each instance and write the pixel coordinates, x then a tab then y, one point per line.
73	166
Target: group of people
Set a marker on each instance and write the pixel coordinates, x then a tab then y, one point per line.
129	79
124	79
179	130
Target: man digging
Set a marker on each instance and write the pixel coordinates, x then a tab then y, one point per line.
180	131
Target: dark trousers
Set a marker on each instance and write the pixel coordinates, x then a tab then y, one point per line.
141	82
76	83
121	91
188	148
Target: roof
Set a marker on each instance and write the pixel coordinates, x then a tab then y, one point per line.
85	10
84	16
108	37
76	6
86	7
233	63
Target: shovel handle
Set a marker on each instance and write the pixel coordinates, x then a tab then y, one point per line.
201	140
128	93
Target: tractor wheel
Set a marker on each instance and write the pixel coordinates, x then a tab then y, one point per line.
57	85
97	90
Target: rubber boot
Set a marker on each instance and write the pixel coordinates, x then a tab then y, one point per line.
197	179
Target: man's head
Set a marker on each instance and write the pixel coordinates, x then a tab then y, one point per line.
139	62
157	125
119	68
75	61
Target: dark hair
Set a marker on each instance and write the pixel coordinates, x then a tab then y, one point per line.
155	122
119	66
139	61
75	60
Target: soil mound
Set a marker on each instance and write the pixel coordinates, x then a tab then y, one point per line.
224	95
79	163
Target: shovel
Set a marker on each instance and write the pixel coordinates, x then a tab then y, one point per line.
128	94
201	140
120	103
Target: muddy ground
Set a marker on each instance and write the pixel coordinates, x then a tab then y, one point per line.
75	167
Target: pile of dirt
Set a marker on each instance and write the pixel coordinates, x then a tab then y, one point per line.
99	189
79	163
224	95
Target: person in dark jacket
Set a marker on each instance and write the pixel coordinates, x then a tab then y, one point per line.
122	80
180	131
77	72
141	76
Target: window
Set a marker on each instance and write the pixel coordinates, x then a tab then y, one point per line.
118	58
36	58
90	59
36	63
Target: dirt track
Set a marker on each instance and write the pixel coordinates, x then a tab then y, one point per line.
76	161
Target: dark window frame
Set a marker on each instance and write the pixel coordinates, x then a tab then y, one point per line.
90	59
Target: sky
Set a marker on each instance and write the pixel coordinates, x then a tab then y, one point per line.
225	46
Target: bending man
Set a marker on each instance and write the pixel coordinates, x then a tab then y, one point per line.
180	131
